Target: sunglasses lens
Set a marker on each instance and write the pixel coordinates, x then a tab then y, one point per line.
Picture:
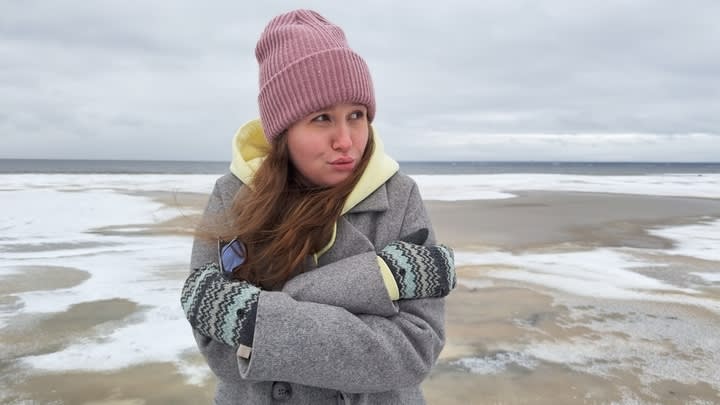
232	255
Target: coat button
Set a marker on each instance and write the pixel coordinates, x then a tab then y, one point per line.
281	391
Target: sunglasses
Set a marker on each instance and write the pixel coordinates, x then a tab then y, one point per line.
231	255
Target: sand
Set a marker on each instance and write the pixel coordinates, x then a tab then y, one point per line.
540	218
481	322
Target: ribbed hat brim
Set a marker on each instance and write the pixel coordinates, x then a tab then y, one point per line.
318	81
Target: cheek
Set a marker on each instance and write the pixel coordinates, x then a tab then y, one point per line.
361	141
303	151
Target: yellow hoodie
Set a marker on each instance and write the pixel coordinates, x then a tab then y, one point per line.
250	149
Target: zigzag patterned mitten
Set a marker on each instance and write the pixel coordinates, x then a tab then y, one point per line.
219	308
420	271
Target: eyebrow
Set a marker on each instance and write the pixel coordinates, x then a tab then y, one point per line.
328	109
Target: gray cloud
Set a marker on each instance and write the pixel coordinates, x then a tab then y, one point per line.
173	80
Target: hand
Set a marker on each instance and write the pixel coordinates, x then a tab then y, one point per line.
221	309
420	271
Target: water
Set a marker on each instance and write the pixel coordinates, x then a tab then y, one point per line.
198	167
582	168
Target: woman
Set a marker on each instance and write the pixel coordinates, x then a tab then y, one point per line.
331	287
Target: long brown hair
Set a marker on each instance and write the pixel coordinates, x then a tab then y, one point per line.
282	219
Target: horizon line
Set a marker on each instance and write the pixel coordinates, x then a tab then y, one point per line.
399	161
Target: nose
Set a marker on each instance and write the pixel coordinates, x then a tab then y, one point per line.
342	141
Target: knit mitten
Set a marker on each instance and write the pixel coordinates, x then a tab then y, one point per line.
420	271
219	308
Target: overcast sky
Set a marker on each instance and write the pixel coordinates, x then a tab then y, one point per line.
454	80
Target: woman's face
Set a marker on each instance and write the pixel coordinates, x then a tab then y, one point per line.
327	145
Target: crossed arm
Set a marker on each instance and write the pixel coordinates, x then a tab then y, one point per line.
341	317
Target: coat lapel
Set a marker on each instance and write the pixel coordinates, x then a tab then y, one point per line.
377	201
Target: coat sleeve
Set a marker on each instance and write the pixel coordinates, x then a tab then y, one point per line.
352	281
359	287
328	346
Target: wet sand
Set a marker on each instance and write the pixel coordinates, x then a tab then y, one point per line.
482	322
479	321
155	383
536	219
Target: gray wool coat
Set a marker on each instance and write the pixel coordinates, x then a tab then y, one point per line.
332	335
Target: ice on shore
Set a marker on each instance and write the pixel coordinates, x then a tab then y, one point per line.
709	277
494	186
700	241
495	363
602	273
656	343
40	216
49	221
432	187
48	226
180	183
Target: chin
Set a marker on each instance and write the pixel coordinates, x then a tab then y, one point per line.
334	180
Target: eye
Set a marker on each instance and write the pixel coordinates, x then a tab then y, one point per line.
321	118
356	115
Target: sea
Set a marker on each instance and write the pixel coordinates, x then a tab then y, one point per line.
410	167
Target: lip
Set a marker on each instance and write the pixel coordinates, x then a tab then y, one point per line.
343	163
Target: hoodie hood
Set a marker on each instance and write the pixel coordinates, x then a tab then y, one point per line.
250	148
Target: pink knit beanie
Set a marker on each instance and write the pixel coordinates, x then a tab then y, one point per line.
306	65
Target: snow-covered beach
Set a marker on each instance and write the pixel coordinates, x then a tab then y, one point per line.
612	296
